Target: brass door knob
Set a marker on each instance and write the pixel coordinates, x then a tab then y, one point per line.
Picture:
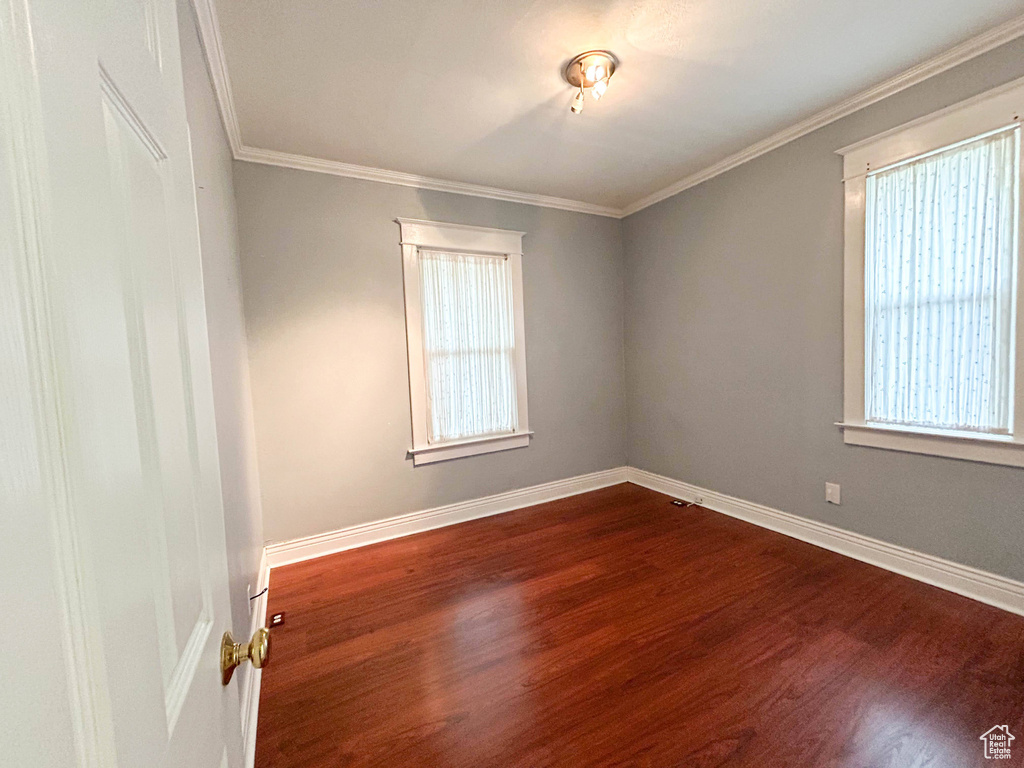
232	654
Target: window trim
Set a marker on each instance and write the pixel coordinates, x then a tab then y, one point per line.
431	235
989	111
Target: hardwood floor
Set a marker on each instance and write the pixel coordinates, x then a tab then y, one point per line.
614	629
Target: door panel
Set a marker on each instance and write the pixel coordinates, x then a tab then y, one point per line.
158	344
114	328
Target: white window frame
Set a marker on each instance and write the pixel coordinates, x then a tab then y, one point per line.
431	235
998	108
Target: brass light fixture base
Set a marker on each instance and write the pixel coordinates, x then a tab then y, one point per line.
576	69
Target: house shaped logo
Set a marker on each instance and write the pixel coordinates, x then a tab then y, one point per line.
997	742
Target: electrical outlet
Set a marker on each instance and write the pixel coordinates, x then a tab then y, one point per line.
832	493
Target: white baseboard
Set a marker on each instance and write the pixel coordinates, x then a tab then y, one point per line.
250	699
294	551
976	584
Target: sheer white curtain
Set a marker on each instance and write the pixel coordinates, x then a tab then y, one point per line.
468	345
939	287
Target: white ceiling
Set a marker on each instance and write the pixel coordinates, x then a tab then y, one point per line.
471	90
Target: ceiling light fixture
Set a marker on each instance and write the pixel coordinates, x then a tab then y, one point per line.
592	70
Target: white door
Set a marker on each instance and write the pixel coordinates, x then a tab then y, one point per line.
112	562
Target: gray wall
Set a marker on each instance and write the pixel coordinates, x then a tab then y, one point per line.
734	349
211	158
322	279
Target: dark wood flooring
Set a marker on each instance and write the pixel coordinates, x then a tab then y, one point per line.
614	629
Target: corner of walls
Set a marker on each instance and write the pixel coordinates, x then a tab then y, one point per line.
623	329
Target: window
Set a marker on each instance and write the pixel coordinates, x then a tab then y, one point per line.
467	353
932	363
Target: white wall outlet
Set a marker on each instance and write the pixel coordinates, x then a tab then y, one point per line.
832	493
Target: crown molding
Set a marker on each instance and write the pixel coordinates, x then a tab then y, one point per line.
305	163
213	49
209	33
967	50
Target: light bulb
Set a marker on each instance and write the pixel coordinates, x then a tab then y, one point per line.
595	73
599	88
577	103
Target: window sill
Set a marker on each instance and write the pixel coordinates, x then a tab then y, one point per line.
460	448
969	446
